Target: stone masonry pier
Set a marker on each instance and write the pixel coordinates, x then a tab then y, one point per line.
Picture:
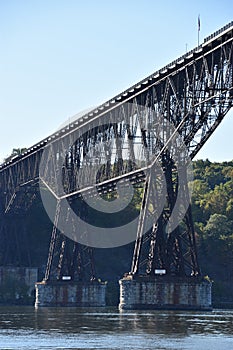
67	293
162	292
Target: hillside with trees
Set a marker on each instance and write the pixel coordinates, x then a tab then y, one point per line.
212	207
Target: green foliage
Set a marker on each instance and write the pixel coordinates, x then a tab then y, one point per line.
217	226
212	189
212	207
213	175
199	167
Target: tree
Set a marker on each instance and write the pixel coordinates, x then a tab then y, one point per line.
217	226
199	190
213	175
219	199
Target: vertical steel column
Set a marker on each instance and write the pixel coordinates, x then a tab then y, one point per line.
52	242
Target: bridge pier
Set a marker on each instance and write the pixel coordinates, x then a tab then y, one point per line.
163	292
67	293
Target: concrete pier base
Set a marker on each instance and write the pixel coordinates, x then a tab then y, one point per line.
17	284
64	293
164	292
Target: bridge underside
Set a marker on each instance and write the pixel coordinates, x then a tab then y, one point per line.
144	138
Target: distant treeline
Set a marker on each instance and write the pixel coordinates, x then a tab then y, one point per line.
212	206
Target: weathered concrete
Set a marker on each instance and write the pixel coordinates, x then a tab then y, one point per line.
67	293
165	293
19	275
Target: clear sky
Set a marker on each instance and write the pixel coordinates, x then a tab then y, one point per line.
60	57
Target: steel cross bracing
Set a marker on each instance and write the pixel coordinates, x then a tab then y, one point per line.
176	108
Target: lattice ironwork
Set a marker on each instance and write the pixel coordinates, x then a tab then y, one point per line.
66	258
176	108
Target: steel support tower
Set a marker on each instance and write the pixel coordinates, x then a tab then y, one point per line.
159	123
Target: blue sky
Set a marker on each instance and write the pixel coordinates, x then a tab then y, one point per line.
60	57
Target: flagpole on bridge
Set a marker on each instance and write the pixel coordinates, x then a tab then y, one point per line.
198	29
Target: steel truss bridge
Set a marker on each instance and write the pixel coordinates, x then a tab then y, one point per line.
144	137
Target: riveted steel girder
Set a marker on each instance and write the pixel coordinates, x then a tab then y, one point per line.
176	108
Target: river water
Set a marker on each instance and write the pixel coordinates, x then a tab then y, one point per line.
24	328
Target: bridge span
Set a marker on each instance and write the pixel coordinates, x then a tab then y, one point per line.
144	139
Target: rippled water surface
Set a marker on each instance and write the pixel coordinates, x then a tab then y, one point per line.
25	328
